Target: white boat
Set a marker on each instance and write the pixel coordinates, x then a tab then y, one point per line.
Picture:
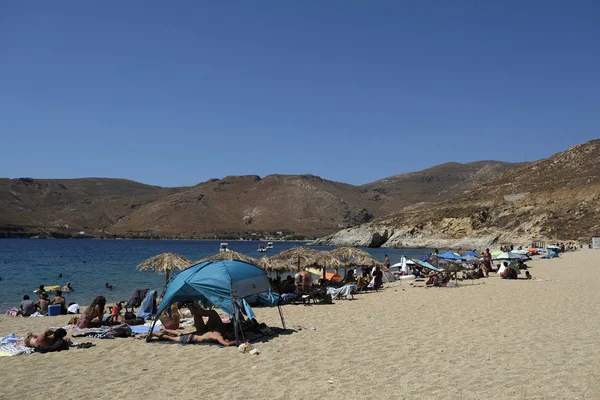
269	245
223	247
261	249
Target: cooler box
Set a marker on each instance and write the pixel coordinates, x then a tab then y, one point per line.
54	310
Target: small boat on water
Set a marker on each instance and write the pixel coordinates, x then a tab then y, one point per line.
269	245
261	249
223	247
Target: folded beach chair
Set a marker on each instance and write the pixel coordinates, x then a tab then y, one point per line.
136	299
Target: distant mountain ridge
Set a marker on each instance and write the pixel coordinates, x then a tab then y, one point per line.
235	206
557	198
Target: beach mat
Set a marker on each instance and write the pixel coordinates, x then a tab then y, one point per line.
142	329
190	345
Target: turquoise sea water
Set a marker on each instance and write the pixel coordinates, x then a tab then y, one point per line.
89	264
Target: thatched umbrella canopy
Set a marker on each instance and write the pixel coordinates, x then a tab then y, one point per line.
345	254
229	256
304	257
364	261
164	263
301	257
268	264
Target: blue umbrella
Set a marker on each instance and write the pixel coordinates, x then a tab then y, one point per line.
449	256
471	254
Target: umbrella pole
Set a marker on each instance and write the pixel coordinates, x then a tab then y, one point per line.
281	316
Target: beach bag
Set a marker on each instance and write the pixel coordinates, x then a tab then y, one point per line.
13	312
129	315
122	330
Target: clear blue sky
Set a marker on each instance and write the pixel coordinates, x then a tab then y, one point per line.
174	93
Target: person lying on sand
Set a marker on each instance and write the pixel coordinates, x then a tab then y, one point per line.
45	339
189	338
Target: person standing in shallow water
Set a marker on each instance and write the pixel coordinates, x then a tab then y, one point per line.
387	262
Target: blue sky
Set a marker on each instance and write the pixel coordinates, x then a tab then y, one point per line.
175	93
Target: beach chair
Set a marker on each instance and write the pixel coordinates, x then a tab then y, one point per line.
342	292
136	299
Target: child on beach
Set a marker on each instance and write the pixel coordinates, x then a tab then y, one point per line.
115	313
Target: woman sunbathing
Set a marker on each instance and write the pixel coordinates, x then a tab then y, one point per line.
189	338
45	339
92	318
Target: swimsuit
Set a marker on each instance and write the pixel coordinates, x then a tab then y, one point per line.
28	339
186	339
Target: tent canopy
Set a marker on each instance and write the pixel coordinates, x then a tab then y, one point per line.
218	283
224	283
449	256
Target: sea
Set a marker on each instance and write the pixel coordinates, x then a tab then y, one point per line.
89	264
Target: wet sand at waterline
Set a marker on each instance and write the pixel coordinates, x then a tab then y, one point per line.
490	339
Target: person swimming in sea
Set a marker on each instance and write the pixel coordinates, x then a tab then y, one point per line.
109	286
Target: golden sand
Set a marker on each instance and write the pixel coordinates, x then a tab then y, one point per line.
490	339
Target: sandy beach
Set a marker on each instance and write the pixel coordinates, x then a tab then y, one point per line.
487	339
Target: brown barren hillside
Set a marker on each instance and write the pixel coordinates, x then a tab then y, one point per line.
557	198
65	207
298	205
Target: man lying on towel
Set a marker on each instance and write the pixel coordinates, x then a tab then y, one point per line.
211	331
189	338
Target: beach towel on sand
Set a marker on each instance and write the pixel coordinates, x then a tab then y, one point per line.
148	307
344	291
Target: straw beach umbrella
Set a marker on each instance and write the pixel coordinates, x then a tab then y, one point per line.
301	257
270	265
164	263
304	257
345	254
230	256
365	261
348	255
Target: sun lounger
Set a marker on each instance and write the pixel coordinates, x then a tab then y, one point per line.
343	292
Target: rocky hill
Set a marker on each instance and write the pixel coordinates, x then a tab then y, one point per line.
235	206
557	198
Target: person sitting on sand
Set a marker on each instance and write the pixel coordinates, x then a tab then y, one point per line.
433	280
59	299
213	323
487	262
43	303
115	314
45	339
92	317
67	287
190	338
27	307
507	272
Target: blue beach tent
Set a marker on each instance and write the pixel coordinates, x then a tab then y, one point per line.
224	284
449	256
471	254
